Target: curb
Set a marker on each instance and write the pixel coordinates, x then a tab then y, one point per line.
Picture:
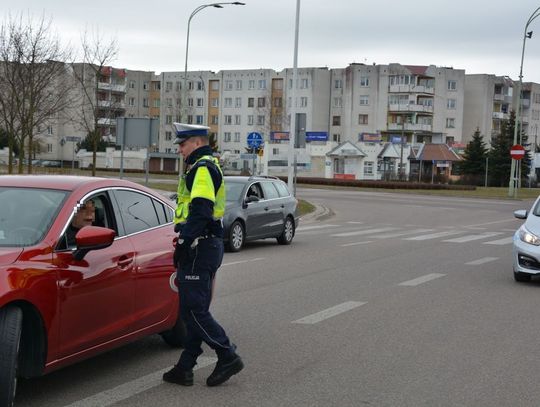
321	212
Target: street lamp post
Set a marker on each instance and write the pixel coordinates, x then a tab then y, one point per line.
201	7
512	190
292	129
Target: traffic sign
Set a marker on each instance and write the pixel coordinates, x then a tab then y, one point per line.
74	139
254	140
517	152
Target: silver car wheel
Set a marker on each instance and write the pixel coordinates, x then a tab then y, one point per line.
236	236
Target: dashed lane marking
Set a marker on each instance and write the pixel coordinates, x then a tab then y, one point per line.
483	260
329	312
356	243
398	234
363	232
132	388
422	280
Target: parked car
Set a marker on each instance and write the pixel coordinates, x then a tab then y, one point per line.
258	208
48	163
526	244
61	304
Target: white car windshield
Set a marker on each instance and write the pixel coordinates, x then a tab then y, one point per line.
27	214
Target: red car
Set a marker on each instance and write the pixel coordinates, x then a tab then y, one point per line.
63	300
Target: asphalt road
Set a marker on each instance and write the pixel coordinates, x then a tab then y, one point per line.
388	300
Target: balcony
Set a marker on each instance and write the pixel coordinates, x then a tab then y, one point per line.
111	104
525	103
112	87
500	116
106	122
409	127
411	89
411	107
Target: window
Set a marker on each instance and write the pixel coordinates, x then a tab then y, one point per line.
364	100
251	84
270	192
178	102
131	101
261	102
49	148
338	84
228	85
178	86
168	136
364	81
168	119
227	136
228	119
200	85
251	102
282	188
214	119
168	101
277	84
200	102
138	211
190	119
278	102
49	130
238	102
304	83
168	86
336	138
239	85
337	102
157	103
237	119
132	84
190	85
250	120
368	167
178	119
362	119
190	102
215	102
199	119
237	136
145	102
214	85
450	123
452	85
536	97
262	83
451	103
228	102
303	101
145	85
336	120
275	151
260	120
157	85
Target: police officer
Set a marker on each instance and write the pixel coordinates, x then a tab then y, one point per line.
198	255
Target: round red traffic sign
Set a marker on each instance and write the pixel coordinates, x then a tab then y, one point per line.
517	152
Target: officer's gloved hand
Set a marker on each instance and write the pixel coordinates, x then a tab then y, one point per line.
180	253
177	228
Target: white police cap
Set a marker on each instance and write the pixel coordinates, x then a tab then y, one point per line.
184	131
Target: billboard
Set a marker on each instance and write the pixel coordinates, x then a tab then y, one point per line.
370	137
279	135
316	136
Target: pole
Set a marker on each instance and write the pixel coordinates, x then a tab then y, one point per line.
512	190
401	153
292	129
486	180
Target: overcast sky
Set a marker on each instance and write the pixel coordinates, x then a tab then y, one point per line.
480	36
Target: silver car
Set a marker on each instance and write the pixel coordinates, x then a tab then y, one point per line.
526	245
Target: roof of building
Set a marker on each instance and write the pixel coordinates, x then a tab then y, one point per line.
437	152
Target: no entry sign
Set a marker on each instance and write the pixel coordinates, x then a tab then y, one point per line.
517	152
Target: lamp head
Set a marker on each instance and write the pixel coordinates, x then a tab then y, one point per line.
237	3
217	6
529	34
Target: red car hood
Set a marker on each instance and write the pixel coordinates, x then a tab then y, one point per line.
9	254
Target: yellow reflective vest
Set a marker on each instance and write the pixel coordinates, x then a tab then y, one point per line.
202	187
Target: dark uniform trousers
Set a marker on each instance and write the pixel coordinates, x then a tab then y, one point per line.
195	279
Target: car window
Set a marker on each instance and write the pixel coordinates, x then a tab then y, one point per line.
233	190
102	216
27	213
137	211
164	213
282	188
255	190
270	191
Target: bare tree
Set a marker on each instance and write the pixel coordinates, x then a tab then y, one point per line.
97	55
34	85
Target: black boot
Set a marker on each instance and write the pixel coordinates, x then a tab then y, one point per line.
179	376
224	370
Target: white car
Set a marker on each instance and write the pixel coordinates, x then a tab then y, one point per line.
526	245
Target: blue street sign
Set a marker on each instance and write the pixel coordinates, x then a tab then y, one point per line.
254	140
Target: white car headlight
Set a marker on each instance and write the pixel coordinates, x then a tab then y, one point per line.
528	237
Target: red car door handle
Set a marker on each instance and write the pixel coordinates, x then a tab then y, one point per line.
124	261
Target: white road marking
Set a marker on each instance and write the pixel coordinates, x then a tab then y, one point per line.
482	261
434	235
356	243
397	234
500	242
492	223
509	230
362	232
421	280
329	312
132	388
302	228
242	261
355	222
470	238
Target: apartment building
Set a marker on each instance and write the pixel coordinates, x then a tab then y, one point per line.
488	101
529	110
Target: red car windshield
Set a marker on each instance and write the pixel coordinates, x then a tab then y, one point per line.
26	214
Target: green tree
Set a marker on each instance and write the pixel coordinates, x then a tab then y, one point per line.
473	166
88	143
